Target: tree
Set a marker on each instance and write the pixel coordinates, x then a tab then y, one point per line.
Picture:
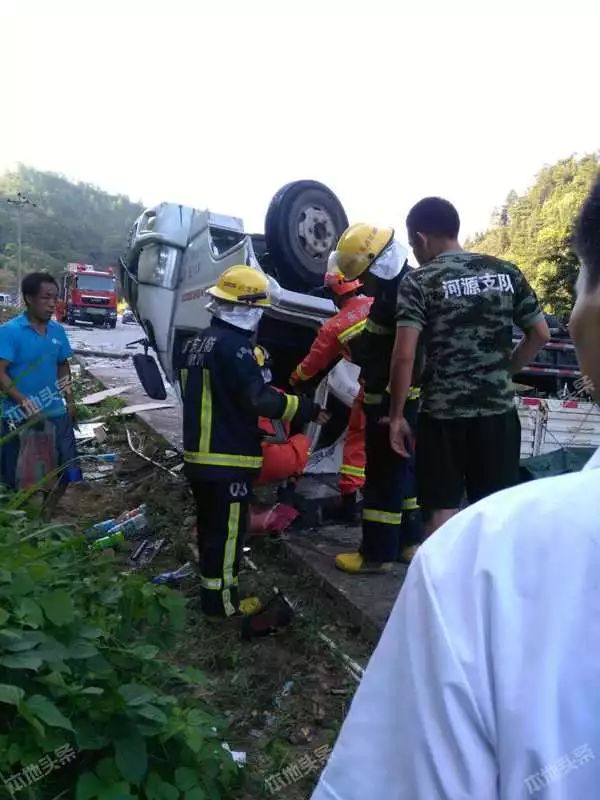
73	222
535	229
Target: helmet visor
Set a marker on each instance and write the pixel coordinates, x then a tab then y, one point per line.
388	264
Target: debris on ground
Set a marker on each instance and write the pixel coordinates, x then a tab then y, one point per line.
145	553
278	700
98	397
177	575
272	519
238	756
87	431
135	445
276	615
135	409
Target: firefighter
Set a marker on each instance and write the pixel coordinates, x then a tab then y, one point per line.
391	522
334	341
223	396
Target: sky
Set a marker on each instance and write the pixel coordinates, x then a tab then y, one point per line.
219	104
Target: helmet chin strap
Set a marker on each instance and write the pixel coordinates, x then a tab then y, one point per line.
245	317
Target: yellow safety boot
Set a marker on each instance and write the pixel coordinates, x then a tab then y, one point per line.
355	564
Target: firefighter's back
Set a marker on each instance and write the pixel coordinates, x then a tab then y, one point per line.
220	431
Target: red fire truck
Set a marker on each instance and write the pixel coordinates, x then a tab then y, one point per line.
87	294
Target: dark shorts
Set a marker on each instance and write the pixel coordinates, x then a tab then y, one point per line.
66	452
476	455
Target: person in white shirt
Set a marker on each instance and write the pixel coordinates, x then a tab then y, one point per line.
486	682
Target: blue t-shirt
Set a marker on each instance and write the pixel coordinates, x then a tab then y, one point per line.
33	364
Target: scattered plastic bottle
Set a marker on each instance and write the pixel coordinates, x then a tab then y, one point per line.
108	541
175	576
133	513
133	528
114	523
110	457
101	527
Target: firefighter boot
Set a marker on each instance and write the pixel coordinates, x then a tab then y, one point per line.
411	531
350	511
355	564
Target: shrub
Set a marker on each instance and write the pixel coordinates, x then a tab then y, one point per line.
88	708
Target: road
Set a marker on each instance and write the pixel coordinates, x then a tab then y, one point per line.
110	341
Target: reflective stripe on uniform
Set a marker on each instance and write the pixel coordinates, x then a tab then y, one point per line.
205	413
291	406
410	504
302	374
356	472
385	517
214	584
223	460
372	399
183	376
233	525
203	455
351	332
227	604
413	393
378	330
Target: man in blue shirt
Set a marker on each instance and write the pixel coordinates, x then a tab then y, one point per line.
35	378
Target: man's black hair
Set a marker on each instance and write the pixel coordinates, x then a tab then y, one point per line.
32	283
434	216
587	235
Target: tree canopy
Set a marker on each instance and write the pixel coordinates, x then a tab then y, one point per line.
72	222
534	230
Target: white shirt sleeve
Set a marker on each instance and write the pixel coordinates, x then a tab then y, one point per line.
414	731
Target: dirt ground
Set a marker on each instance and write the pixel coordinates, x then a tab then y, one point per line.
284	696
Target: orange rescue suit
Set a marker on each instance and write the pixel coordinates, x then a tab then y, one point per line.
334	340
282	461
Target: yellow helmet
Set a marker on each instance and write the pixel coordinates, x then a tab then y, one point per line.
243	285
357	248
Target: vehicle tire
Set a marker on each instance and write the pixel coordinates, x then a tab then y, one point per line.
303	223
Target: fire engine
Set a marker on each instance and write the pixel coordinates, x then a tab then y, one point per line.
87	294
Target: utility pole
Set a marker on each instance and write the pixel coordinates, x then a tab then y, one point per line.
19	202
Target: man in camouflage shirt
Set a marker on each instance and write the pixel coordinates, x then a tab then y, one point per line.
464	306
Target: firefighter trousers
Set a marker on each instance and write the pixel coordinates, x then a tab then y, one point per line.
222	521
352	471
389	494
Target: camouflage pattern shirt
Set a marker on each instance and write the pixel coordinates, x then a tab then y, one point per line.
465	305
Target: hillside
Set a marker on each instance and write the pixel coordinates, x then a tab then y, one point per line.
534	230
72	222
